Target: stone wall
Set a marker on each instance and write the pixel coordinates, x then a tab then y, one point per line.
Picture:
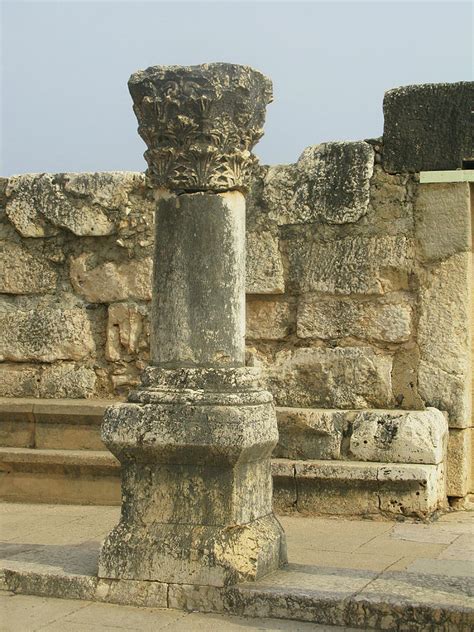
357	286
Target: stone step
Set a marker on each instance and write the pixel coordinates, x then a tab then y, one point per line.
83	477
310	487
361	599
52	424
394	436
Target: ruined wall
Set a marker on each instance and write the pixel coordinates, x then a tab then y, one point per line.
357	285
331	306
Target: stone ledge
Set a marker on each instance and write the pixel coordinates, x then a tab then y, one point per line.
307	487
392	436
320	595
358	488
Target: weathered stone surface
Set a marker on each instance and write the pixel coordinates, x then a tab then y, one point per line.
165	451
446	391
345	487
268	319
111	281
127	331
306	433
198	310
352	265
200	123
85	204
44	333
18	380
406	362
399	436
444	337
66	379
459	462
24	272
390	208
329	183
324	318
427	127
443	220
343	377
263	264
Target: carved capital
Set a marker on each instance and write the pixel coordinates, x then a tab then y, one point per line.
200	123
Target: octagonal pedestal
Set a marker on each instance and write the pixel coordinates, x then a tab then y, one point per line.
195	448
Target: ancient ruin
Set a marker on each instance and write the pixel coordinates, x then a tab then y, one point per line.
195	439
352	314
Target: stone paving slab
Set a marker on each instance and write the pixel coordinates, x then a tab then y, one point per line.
368	574
31	614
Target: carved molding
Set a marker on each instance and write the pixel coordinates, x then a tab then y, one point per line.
200	123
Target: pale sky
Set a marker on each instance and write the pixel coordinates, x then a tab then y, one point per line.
65	66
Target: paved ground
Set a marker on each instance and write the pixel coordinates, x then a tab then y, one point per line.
444	547
22	613
325	554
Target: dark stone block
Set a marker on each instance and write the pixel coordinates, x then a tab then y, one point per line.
428	127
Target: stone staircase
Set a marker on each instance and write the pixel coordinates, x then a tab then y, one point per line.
51	452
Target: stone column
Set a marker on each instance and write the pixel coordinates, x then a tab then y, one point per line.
195	439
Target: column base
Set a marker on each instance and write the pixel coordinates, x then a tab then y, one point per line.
195	447
186	554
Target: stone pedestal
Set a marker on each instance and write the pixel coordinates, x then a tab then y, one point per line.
195	439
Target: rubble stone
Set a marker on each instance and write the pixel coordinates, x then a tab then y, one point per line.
268	319
127	331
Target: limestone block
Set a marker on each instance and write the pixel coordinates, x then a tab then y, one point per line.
264	265
338	175
111	281
443	219
326	318
355	488
127	331
392	436
44	332
459	462
415	490
406	362
446	391
24	272
65	379
352	265
110	190
340	377
268	319
283	195
18	380
86	204
427	127
330	183
444	333
306	433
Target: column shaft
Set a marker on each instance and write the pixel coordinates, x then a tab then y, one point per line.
198	313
